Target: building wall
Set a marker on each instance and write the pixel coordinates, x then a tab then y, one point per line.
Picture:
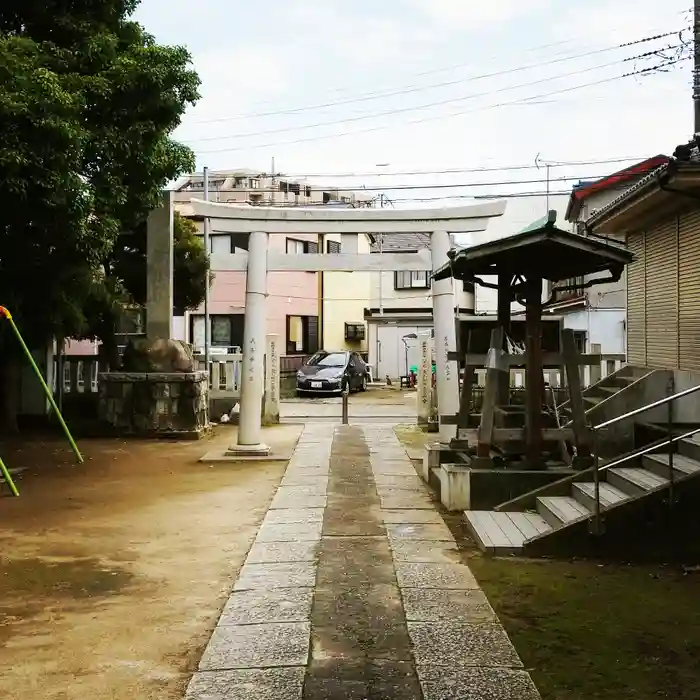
346	295
289	293
604	327
416	298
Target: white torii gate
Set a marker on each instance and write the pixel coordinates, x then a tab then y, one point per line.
260	222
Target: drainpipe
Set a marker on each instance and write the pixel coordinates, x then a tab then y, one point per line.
321	295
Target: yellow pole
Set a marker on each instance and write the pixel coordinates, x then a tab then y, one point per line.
4	312
8	478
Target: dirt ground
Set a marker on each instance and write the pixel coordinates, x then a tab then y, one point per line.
113	573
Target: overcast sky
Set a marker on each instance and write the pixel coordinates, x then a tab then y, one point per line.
272	70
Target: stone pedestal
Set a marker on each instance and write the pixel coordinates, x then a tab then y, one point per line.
155	404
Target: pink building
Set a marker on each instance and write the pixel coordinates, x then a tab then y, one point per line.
293	306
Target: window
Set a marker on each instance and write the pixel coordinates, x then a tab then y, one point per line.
283	186
302	335
354	331
332	247
330	359
254	184
407	279
220	244
226	331
307	191
576	292
327	197
296	247
294	188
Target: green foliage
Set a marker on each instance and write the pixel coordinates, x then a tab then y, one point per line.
191	265
88	101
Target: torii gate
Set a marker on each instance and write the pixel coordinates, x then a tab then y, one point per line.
261	222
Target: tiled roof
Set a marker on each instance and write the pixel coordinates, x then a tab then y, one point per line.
628	193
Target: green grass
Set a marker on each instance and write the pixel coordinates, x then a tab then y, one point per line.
588	631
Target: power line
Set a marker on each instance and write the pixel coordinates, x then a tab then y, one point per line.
438	186
450	171
491	195
423	120
482	59
420	88
427	105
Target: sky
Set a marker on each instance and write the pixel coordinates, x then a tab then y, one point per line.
384	89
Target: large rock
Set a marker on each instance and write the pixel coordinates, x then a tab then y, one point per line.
158	355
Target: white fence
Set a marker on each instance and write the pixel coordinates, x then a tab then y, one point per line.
79	374
608	365
225	372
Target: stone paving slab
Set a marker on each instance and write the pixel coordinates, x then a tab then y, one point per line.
457	645
258	606
265	684
384	642
280	552
289	497
406	502
433	575
290	532
393	490
257	646
284	575
304	479
427	517
437	605
424	551
476	684
397	468
284	516
419	531
399	481
369	678
306	471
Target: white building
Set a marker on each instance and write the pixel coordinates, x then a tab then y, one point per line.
401	307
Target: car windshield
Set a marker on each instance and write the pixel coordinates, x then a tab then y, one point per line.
330	359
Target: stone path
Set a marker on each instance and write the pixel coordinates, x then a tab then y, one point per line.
353	589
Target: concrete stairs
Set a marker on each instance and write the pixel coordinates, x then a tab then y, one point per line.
568	505
598	394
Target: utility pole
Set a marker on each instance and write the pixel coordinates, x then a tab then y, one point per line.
207	247
547	166
273	182
696	66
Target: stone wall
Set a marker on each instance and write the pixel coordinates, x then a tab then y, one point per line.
168	404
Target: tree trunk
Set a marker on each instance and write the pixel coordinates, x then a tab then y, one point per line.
10	401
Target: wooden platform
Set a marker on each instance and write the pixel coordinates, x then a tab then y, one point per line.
504	533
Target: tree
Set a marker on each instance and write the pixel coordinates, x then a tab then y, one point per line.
126	282
88	101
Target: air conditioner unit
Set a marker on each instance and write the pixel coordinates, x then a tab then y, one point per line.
354	331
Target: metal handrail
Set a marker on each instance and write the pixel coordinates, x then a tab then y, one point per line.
667	401
648	407
646	450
